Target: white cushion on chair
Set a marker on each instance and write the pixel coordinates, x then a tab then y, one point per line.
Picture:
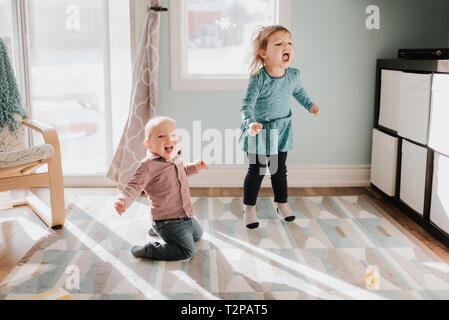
15	158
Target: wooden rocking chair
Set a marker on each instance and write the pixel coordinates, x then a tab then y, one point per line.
18	163
17	172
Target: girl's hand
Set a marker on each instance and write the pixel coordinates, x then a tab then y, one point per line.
200	165
254	128
315	110
120	206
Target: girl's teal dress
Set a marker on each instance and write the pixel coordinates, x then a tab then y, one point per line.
267	101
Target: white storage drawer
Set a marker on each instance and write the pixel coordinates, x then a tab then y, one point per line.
439	208
413	175
389	99
414	106
383	162
439	118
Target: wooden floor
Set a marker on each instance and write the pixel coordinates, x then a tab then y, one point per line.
20	229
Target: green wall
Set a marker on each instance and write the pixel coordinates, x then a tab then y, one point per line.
337	55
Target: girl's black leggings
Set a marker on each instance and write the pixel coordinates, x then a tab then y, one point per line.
256	172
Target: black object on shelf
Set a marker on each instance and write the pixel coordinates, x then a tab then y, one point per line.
424	54
158	9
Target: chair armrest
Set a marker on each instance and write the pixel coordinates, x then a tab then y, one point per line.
49	133
54	176
36	125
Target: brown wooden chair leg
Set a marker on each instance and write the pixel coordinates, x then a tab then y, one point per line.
56	192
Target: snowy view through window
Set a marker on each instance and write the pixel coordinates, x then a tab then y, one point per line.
66	53
220	34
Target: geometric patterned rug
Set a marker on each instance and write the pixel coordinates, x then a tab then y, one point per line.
323	254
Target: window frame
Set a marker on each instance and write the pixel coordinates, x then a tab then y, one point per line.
180	80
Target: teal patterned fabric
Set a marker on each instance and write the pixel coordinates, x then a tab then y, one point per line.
10	100
267	101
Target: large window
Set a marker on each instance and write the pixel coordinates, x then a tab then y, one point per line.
211	40
6	27
78	69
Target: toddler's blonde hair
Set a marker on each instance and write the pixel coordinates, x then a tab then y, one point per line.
153	123
260	42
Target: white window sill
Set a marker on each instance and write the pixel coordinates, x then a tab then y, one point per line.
209	83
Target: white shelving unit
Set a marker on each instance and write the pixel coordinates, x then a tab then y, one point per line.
410	152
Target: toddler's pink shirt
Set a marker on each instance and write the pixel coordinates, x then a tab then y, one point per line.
165	184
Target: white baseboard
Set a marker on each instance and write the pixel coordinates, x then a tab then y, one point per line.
298	176
232	176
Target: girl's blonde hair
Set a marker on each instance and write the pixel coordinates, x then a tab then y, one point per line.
260	42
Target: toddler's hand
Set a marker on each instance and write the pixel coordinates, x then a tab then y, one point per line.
120	206
254	128
315	110
200	165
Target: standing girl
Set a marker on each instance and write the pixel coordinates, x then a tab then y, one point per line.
266	132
